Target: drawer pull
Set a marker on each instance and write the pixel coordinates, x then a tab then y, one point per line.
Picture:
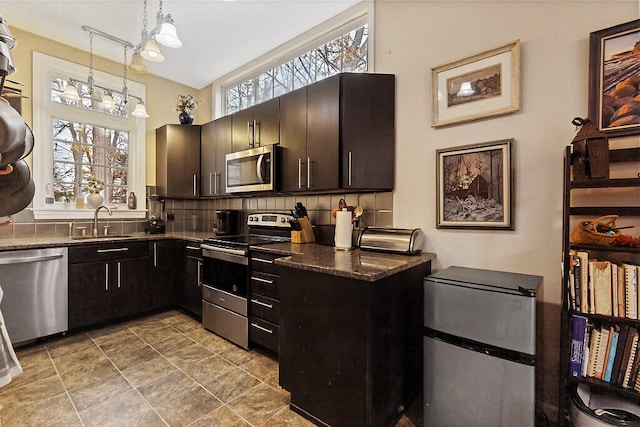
193	248
266	261
260	279
255	325
102	251
264	304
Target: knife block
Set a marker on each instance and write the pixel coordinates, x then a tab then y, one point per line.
306	234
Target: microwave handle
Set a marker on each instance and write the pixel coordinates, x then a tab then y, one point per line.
250	134
259	168
256	133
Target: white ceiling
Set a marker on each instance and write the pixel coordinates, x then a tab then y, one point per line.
218	36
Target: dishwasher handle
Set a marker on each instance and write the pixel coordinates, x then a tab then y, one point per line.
23	260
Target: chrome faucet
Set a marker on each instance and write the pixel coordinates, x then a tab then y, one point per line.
95	218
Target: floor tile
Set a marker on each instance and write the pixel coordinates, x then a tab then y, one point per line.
221	417
182	322
156	334
173	344
166	386
285	417
54	411
32	371
186	406
125	409
69	344
93	393
217	344
259	404
203	371
32	393
118	342
133	356
149	371
188	354
87	373
86	356
261	366
237	355
231	384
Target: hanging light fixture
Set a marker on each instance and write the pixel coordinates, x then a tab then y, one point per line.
70	92
137	63
165	32
140	111
149	49
107	102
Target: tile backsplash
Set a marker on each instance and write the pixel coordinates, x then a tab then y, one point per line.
199	215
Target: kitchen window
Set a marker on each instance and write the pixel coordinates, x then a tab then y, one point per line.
81	142
346	53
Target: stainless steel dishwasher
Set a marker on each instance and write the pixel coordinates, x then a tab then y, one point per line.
34	283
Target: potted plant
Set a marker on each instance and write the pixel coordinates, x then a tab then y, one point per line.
185	105
93	186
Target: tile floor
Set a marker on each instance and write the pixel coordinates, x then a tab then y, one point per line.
160	370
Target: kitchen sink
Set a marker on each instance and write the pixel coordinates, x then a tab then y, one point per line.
102	237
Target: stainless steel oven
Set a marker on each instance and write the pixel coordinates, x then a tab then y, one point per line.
225	274
252	170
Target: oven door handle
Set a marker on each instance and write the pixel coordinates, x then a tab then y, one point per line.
236	256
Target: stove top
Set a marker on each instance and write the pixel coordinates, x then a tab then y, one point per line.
264	228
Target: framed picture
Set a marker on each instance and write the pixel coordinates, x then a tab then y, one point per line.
484	85
614	79
475	186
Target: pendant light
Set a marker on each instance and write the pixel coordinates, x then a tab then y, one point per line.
107	102
165	32
70	92
150	49
137	63
140	111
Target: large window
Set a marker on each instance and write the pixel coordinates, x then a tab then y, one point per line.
81	143
345	53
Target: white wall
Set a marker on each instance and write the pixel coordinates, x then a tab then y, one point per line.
411	37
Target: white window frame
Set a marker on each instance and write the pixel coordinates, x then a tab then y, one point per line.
339	25
45	68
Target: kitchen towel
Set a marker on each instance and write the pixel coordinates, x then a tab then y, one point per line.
9	365
344	230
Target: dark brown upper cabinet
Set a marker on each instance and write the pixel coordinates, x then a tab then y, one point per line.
178	160
256	126
215	144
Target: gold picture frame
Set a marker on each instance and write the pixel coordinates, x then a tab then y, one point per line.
478	87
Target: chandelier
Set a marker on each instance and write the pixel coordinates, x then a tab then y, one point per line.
164	33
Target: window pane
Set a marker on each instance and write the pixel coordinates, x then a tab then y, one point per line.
88	101
355	50
82	151
247	94
282	79
264	87
329	59
304	70
233	100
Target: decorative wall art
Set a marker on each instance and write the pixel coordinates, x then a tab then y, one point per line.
475	186
484	85
614	79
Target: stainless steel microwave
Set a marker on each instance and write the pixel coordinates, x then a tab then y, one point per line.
252	170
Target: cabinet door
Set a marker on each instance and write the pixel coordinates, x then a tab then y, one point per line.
178	160
129	278
267	122
242	135
189	278
161	274
223	147
368	131
208	159
89	293
293	140
323	134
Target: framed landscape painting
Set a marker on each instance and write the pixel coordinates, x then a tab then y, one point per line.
484	85
614	79
474	186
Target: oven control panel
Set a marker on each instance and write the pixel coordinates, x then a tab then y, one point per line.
270	220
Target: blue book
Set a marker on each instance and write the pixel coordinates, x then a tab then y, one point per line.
612	353
578	329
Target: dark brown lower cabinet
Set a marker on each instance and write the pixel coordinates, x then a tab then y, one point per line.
350	350
161	274
107	282
189	277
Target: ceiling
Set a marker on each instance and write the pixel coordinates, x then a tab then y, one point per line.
218	36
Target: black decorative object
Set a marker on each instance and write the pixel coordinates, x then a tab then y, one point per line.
590	152
185	118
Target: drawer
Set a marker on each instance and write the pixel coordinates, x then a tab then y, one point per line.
265	284
263	261
265	307
107	252
264	334
226	323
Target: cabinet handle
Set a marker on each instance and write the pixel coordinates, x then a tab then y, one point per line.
256	133
102	251
119	275
264	304
249	132
350	168
260	279
266	261
195	183
155	254
255	325
199	273
215	183
299	173
193	248
106	277
308	172
210	183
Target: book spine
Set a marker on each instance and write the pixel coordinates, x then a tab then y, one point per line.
579	328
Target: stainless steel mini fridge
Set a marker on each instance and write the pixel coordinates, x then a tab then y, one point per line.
479	348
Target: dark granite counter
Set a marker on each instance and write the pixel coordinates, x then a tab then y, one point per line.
355	264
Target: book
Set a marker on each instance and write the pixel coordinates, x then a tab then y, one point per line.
626	355
613	277
575	278
594	348
602	289
586	350
621	292
631	290
611	354
623	333
601	352
583	279
590	288
578	333
631	361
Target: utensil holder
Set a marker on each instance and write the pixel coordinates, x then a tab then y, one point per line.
305	235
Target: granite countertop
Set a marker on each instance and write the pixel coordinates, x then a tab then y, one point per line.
354	264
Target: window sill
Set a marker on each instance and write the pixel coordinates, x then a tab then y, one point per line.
87	213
